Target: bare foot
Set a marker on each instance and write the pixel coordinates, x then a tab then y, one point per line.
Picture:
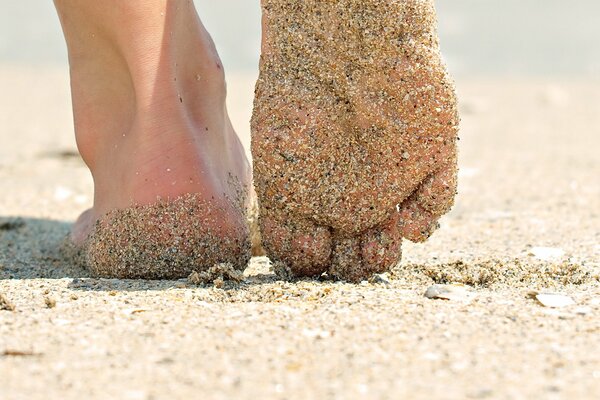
353	134
170	175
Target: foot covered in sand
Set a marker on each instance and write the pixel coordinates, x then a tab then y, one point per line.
171	178
353	134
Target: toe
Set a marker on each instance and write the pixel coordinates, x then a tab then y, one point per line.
346	262
419	214
416	223
382	247
304	247
376	251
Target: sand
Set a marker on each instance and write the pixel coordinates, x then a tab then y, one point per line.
526	220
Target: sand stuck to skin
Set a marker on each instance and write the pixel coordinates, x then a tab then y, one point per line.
166	240
354	112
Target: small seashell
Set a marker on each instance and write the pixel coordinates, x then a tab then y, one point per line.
554	300
583	310
316	333
547	253
132	311
379	279
448	292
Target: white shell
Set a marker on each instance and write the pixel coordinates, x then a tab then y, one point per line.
448	292
554	300
547	253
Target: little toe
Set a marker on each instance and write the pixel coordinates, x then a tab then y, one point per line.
382	247
304	247
357	258
419	214
416	223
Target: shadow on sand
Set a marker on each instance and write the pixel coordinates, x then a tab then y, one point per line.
30	248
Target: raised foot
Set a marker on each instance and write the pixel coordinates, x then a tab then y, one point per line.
354	133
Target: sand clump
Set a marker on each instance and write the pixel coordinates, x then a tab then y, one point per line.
165	240
5	304
282	271
355	121
217	275
50	302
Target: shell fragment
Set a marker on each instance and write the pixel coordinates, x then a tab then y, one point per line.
553	300
448	292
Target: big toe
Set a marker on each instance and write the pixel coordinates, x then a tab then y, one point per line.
304	247
375	251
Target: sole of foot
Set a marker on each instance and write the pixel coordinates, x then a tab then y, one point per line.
354	133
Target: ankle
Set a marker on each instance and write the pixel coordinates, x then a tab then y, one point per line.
177	88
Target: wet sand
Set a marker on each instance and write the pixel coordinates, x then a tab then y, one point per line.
526	220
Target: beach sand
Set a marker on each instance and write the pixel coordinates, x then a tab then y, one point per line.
526	220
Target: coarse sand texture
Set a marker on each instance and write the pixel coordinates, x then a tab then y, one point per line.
166	240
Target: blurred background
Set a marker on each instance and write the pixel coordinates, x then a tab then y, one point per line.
479	37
